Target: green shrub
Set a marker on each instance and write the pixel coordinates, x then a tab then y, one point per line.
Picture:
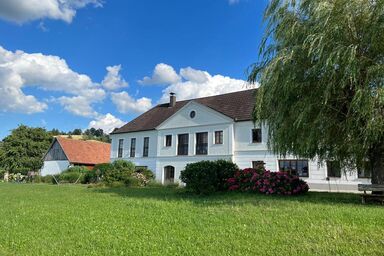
149	175
47	179
225	170
95	175
77	169
121	174
72	175
69	177
2	172
123	164
103	167
206	177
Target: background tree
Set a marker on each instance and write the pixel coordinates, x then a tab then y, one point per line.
322	73
76	132
24	149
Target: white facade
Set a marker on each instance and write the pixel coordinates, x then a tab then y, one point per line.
54	167
237	146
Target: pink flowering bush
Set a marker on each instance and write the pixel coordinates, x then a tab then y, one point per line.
267	182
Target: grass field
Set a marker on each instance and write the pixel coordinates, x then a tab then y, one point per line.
76	220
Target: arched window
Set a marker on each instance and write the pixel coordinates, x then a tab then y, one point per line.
169	174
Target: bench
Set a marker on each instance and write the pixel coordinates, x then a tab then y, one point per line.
374	188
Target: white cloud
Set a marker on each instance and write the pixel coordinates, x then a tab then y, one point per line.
106	122
21	11
127	104
162	75
113	79
78	105
50	73
13	99
198	83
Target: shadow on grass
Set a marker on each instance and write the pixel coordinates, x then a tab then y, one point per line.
230	198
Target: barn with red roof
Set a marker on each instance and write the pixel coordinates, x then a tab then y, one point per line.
66	152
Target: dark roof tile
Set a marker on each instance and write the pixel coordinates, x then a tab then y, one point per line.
237	105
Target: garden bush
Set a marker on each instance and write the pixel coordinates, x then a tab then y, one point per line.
72	175
119	172
267	182
206	177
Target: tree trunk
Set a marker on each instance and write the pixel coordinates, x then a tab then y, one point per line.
377	161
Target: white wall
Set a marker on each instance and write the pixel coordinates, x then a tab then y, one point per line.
204	116
213	149
54	167
237	146
139	144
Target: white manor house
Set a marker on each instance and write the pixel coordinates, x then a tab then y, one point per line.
171	135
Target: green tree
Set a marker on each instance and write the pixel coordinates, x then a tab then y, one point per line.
24	149
321	72
77	132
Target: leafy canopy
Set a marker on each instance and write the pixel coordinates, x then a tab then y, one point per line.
321	73
24	148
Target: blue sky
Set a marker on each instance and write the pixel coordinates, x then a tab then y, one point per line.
54	57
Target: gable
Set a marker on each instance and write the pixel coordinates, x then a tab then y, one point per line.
203	116
55	153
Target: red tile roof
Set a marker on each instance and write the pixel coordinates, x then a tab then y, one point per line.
85	151
237	105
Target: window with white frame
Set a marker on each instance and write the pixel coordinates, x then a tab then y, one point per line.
218	137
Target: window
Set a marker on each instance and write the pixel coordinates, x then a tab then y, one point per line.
218	137
120	149
257	164
201	143
296	167
333	169
192	114
168	140
133	147
256	135
146	146
365	171
182	147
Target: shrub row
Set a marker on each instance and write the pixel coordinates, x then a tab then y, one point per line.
266	182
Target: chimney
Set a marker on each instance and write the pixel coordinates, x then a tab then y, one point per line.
172	100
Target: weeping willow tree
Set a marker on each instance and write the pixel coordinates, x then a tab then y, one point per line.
321	71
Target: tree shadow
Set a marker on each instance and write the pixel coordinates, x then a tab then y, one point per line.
231	198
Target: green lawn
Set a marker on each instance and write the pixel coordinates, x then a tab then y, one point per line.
76	220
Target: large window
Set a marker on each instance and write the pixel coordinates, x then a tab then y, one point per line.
201	143
365	171
168	140
182	147
296	167
120	148
133	147
146	146
333	169
256	135
218	137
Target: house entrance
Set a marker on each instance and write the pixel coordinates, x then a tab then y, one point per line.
169	174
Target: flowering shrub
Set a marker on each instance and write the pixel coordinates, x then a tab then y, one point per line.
267	182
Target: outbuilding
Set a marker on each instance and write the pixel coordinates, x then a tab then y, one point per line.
65	152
